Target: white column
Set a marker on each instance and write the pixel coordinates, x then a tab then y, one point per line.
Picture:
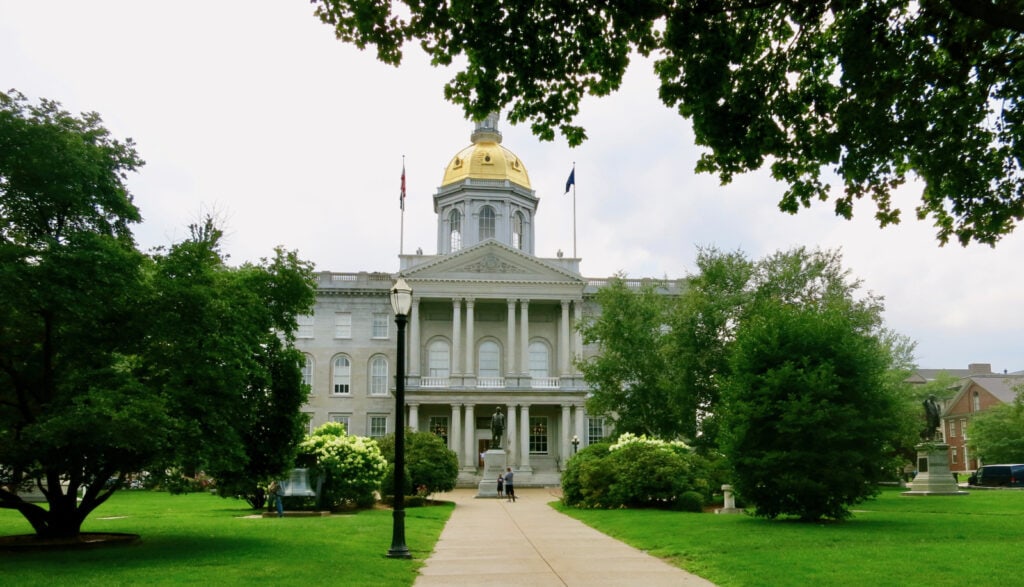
413	368
510	444
510	342
564	452
577	348
581	429
524	444
456	336
563	341
524	344
469	337
471	454
414	416
455	432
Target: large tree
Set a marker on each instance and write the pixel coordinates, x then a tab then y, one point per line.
808	412
997	434
877	91
632	377
113	362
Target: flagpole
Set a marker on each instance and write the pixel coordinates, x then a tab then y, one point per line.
401	201
574	211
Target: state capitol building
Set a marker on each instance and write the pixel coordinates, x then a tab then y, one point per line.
492	326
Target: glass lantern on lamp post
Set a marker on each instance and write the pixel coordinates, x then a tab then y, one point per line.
401	303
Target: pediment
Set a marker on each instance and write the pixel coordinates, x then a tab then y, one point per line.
491	261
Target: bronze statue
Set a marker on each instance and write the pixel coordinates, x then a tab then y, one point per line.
497	428
931	416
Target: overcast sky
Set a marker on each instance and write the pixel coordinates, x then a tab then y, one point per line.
253	110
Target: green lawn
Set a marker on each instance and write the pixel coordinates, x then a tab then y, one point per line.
200	539
894	540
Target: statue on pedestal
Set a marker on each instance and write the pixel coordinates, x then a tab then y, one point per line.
497	428
931	416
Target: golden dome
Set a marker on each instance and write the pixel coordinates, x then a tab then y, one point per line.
486	160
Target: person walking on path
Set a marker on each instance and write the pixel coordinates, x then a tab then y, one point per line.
510	490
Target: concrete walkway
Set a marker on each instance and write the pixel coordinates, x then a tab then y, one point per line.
493	542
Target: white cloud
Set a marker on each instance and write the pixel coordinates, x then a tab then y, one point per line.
255	110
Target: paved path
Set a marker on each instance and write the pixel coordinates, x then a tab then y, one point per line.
493	542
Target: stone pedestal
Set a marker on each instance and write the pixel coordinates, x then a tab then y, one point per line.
933	474
494	465
729	502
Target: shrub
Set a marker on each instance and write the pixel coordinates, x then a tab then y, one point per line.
690	501
634	472
352	466
430	465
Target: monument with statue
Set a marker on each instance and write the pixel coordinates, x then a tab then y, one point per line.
933	474
494	457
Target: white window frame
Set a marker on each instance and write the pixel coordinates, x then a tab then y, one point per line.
373	420
343	325
379	375
344	419
307	373
341	376
597	429
439	359
489	359
455	231
306	324
539	442
540	359
486	224
380	325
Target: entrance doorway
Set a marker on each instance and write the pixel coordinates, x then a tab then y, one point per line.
483	444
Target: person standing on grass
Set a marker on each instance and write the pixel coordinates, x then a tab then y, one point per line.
510	491
275	492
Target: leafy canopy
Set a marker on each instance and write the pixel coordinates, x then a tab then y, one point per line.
877	91
997	434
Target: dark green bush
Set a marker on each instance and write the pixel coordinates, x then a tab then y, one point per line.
430	465
690	501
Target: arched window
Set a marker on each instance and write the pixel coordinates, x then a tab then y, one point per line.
538	359
486	222
455	231
342	375
438	359
307	374
489	359
517	230
379	376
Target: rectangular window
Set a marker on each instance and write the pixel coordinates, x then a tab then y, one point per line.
309	422
307	374
343	325
538	435
378	426
380	325
953	455
963	427
305	329
952	428
595	430
340	418
439	426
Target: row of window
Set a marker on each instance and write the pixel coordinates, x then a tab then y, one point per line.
341	375
377	426
952	427
343	325
488	359
485	227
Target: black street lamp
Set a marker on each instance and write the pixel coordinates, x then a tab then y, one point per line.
575	443
401	303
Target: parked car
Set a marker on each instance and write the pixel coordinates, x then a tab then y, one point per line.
998	476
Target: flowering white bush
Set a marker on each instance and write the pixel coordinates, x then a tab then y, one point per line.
352	466
630	438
